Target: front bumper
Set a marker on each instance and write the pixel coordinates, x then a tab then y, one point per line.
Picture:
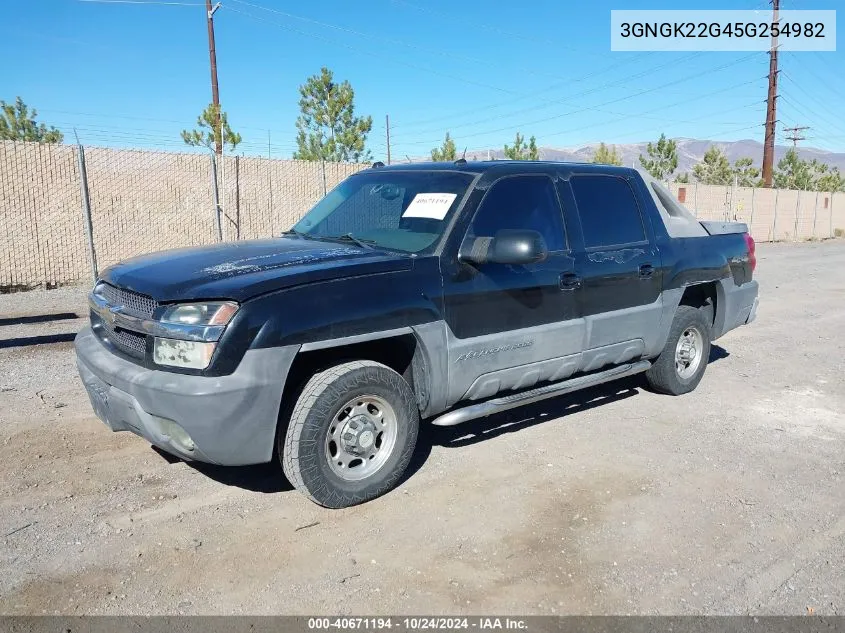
231	420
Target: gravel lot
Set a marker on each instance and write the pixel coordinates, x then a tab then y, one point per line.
729	500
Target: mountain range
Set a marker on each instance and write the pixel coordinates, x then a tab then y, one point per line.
690	152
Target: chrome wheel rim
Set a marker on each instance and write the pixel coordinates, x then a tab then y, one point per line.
688	352
361	437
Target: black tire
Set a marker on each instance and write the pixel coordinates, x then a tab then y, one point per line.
708	311
664	375
304	451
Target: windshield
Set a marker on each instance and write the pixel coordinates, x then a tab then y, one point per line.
404	211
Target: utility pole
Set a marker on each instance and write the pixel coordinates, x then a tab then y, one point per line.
796	136
387	127
212	55
771	107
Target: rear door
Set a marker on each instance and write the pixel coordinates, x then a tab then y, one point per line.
619	266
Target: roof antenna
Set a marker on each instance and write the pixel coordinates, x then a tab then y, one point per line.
464	155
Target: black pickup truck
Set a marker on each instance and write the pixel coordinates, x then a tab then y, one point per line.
440	292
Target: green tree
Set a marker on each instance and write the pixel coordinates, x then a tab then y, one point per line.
682	178
607	155
17	123
327	128
747	175
662	158
830	181
209	133
446	152
714	169
521	150
793	173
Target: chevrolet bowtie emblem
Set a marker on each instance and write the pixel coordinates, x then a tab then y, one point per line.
113	312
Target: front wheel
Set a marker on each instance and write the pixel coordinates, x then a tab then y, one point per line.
681	364
351	434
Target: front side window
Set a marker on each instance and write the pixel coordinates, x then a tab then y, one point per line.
521	202
405	211
609	212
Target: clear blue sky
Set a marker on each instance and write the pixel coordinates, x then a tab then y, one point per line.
480	69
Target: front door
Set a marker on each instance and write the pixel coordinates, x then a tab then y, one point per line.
512	326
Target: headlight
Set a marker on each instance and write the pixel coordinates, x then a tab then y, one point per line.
210	313
187	354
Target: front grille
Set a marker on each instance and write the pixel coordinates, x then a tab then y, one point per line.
130	342
130	303
133	303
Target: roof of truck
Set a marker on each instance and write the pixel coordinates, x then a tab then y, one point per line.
481	166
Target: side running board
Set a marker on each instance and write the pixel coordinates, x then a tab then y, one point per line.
489	407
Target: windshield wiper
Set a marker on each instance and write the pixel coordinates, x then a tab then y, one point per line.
305	236
348	237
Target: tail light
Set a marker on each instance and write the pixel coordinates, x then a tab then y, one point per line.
752	247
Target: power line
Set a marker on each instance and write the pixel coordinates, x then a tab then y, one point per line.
580	128
557	44
153	2
811	113
463	79
474	82
796	135
597	108
379	56
153	119
386	40
521	97
568	99
609	102
832	118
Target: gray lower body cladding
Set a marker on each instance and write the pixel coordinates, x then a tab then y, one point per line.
231	420
475	369
497	405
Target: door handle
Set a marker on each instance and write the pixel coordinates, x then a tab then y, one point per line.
569	281
646	271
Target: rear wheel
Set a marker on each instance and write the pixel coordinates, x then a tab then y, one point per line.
682	363
351	434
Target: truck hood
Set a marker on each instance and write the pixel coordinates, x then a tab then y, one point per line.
241	270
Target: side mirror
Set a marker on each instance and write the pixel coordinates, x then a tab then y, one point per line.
509	246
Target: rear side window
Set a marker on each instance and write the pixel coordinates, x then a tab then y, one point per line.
521	202
608	210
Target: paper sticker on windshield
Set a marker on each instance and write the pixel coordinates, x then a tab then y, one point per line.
430	205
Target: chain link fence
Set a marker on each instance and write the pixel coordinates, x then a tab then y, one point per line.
66	211
145	201
136	202
42	236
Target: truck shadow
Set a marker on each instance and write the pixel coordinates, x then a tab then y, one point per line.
717	352
519	419
269	479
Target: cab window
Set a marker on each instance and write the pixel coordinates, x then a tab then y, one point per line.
521	202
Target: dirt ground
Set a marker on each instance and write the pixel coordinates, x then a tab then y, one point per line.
729	500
